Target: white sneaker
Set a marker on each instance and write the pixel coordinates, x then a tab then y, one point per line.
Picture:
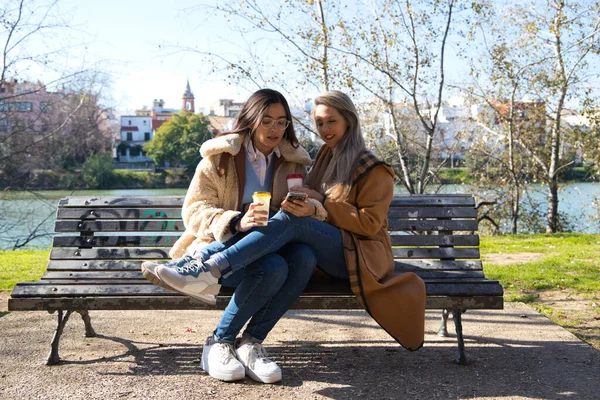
149	271
253	357
219	361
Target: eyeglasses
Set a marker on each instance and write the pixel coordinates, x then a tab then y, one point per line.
280	124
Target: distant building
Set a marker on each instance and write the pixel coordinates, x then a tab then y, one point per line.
41	122
136	131
188	99
226	108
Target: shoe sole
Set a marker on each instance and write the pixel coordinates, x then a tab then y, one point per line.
266	379
222	377
210	289
206	298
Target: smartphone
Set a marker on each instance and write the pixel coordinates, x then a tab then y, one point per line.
296	196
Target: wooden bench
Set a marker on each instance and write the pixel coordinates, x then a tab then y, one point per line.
100	243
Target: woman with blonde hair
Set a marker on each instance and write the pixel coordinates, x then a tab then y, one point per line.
351	190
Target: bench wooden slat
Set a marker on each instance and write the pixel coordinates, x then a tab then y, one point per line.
451	265
167	240
143	253
119	226
426	200
432	225
44	289
82	275
450	252
177	226
90	265
331	286
179	302
85	213
163	252
135	265
435	240
432	212
118	213
115	241
119	202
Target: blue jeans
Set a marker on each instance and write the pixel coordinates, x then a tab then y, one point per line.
271	267
265	290
283	228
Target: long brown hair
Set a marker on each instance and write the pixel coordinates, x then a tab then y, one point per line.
255	109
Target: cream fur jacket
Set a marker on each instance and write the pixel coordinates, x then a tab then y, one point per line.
217	187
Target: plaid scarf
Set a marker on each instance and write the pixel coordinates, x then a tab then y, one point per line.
365	163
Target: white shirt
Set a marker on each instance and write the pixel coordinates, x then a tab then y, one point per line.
257	159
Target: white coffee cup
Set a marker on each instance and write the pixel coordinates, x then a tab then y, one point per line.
294	180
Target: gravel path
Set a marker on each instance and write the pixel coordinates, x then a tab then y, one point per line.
513	353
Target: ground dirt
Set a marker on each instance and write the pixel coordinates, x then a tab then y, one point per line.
514	353
576	312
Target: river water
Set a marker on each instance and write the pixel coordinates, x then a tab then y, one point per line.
22	212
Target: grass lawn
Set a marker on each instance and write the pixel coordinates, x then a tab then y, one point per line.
561	261
559	275
21	266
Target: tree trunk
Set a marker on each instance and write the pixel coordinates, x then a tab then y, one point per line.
552	222
552	173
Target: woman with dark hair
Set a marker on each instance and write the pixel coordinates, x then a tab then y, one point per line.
352	189
256	156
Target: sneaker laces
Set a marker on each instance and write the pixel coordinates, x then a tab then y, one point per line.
259	353
193	267
225	352
180	262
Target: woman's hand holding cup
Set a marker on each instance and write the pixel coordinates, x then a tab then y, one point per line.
255	216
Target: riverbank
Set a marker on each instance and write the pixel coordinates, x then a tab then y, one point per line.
116	179
459	176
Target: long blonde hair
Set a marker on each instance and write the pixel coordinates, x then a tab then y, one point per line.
337	179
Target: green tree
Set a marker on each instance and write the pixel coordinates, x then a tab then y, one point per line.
177	141
546	51
97	171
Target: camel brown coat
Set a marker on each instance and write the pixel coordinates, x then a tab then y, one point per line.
395	301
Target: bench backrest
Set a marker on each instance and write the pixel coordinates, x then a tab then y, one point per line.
431	234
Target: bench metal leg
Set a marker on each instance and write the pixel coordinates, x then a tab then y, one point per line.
89	330
461	358
443	331
53	357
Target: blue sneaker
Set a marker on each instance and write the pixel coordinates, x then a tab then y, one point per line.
192	278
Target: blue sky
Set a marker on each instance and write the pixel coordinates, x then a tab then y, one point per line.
125	36
127	39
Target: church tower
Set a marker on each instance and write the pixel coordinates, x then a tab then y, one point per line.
188	99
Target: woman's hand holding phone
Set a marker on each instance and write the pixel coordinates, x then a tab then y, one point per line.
312	194
296	204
